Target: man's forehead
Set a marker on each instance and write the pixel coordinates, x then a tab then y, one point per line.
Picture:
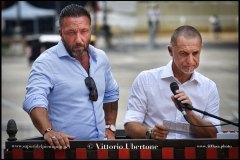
77	20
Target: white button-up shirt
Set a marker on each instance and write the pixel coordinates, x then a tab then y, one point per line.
150	100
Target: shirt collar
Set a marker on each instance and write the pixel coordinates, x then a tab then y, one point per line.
62	52
168	73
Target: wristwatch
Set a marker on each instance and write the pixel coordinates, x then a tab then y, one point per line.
111	127
148	134
47	130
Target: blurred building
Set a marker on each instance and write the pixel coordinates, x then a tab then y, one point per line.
131	15
45	24
196	13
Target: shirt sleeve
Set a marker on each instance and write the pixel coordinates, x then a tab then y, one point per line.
112	89
38	87
137	102
213	105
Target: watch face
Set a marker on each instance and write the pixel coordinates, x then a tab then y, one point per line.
148	135
112	127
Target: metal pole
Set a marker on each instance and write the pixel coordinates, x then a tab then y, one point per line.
18	27
56	23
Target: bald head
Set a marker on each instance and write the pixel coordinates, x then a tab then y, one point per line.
185	31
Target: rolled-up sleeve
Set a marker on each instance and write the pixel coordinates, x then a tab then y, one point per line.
112	89
137	102
38	87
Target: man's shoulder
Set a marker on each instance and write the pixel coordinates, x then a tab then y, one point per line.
49	56
204	79
153	73
99	54
96	50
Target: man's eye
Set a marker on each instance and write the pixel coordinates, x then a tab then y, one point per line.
183	53
71	33
84	31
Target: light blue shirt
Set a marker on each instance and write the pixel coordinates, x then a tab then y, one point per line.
56	82
150	99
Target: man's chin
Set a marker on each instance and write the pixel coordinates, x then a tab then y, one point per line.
188	72
79	53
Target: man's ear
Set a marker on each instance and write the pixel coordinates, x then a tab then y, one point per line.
170	50
60	33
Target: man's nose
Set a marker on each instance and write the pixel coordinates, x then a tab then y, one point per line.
79	38
190	59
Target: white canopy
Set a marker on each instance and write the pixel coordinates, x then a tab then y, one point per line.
27	11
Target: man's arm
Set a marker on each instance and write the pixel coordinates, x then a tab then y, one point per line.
135	130
111	110
39	116
201	132
138	131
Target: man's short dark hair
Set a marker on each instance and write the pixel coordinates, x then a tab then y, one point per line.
186	31
73	10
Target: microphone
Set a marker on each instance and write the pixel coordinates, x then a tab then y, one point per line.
181	106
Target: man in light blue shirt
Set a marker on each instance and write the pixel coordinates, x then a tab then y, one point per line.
71	92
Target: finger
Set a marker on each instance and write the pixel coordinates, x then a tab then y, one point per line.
62	143
50	141
183	97
187	101
161	127
47	137
179	92
66	139
69	138
161	135
56	142
110	135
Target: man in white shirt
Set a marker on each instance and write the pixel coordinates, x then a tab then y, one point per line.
152	111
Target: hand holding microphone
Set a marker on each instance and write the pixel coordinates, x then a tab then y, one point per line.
180	98
182	101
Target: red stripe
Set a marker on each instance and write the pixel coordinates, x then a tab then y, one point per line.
167	153
38	153
145	154
233	153
102	154
211	153
60	154
190	153
17	153
81	153
124	153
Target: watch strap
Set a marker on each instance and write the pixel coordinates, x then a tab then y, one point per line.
47	130
149	134
111	127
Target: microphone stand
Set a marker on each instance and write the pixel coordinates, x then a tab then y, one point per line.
211	115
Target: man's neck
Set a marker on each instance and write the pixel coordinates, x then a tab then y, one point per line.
84	60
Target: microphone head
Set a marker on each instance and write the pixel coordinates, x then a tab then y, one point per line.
174	87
